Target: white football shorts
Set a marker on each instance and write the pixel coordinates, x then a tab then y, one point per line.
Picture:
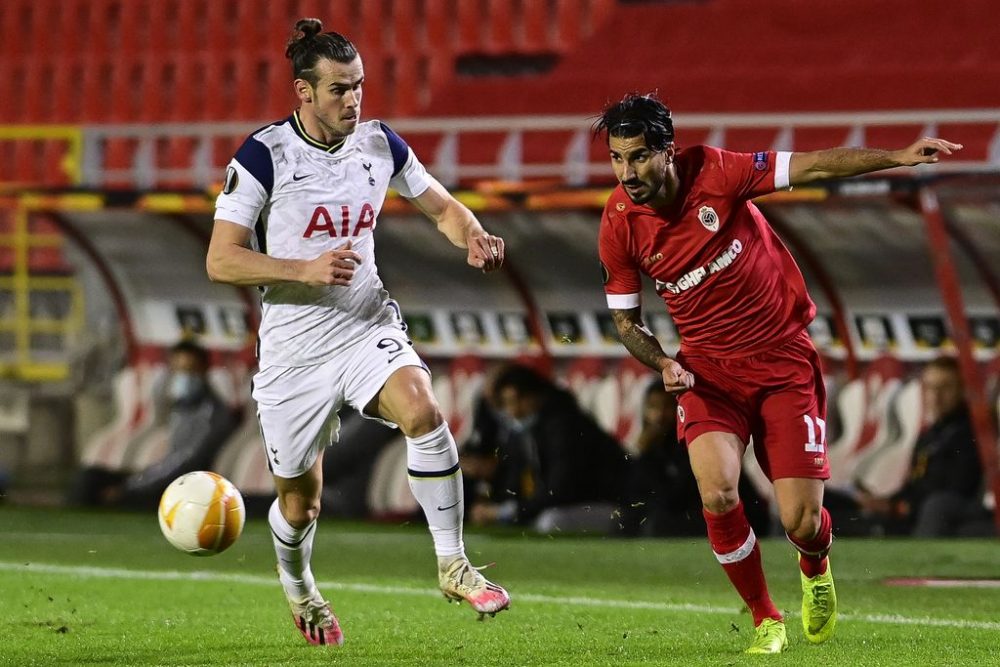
297	405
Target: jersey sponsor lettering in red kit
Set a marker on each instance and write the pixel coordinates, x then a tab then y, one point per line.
729	283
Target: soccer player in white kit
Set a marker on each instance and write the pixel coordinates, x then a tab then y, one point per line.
296	216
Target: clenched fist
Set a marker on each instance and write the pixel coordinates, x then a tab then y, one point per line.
333	267
486	251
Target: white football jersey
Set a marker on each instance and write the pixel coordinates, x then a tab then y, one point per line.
303	198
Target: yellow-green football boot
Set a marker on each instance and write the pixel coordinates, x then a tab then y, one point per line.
769	637
819	606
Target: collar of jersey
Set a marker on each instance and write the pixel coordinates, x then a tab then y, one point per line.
300	130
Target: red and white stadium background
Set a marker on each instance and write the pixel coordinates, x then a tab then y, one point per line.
107	186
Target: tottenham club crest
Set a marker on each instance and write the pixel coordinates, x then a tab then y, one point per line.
709	218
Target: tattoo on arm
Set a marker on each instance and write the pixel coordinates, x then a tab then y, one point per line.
637	339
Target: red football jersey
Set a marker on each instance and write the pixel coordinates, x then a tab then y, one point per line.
730	285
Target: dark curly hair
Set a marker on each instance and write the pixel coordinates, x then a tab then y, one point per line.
637	114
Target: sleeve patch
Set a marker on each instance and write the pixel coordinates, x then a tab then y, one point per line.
232	180
760	161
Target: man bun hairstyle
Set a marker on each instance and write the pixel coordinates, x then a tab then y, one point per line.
309	44
637	114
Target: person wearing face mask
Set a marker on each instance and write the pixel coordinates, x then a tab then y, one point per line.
198	422
943	493
556	470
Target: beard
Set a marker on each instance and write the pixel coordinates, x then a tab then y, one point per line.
642	195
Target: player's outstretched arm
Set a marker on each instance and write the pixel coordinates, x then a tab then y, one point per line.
231	260
643	345
457	222
843	162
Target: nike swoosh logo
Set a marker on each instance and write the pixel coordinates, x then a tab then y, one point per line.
441	509
296	177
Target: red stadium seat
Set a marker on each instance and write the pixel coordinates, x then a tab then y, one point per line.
223	150
535	26
28	167
68	77
567	22
746	140
14	22
469	25
871	399
12	78
499	36
190	32
175	153
39	71
53	153
819	138
545	146
438	26
481	148
119	154
895	136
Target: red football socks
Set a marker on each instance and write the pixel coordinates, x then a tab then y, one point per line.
736	549
813	552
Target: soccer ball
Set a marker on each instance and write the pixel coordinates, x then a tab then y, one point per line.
201	513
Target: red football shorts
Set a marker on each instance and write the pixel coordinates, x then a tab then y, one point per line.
777	397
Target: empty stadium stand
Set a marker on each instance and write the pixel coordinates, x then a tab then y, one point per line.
184	61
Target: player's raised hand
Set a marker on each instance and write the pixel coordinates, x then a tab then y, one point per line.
675	379
333	267
926	151
486	251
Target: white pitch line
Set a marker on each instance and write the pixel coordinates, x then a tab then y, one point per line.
257	580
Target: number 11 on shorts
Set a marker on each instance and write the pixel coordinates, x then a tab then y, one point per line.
814	445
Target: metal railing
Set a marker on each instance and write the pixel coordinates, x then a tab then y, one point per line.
147	161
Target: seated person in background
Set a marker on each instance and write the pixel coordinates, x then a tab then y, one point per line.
479	458
554	467
198	424
662	492
945	489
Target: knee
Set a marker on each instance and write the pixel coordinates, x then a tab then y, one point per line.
719	498
299	511
801	521
421	419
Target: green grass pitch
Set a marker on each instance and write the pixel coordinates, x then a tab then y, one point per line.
106	589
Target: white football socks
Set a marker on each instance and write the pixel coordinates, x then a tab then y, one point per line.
436	483
294	549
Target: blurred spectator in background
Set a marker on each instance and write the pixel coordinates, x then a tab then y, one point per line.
662	490
546	462
945	487
198	423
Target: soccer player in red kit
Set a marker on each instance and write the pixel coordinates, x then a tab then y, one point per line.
746	366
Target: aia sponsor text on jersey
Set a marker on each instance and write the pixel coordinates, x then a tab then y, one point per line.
322	221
